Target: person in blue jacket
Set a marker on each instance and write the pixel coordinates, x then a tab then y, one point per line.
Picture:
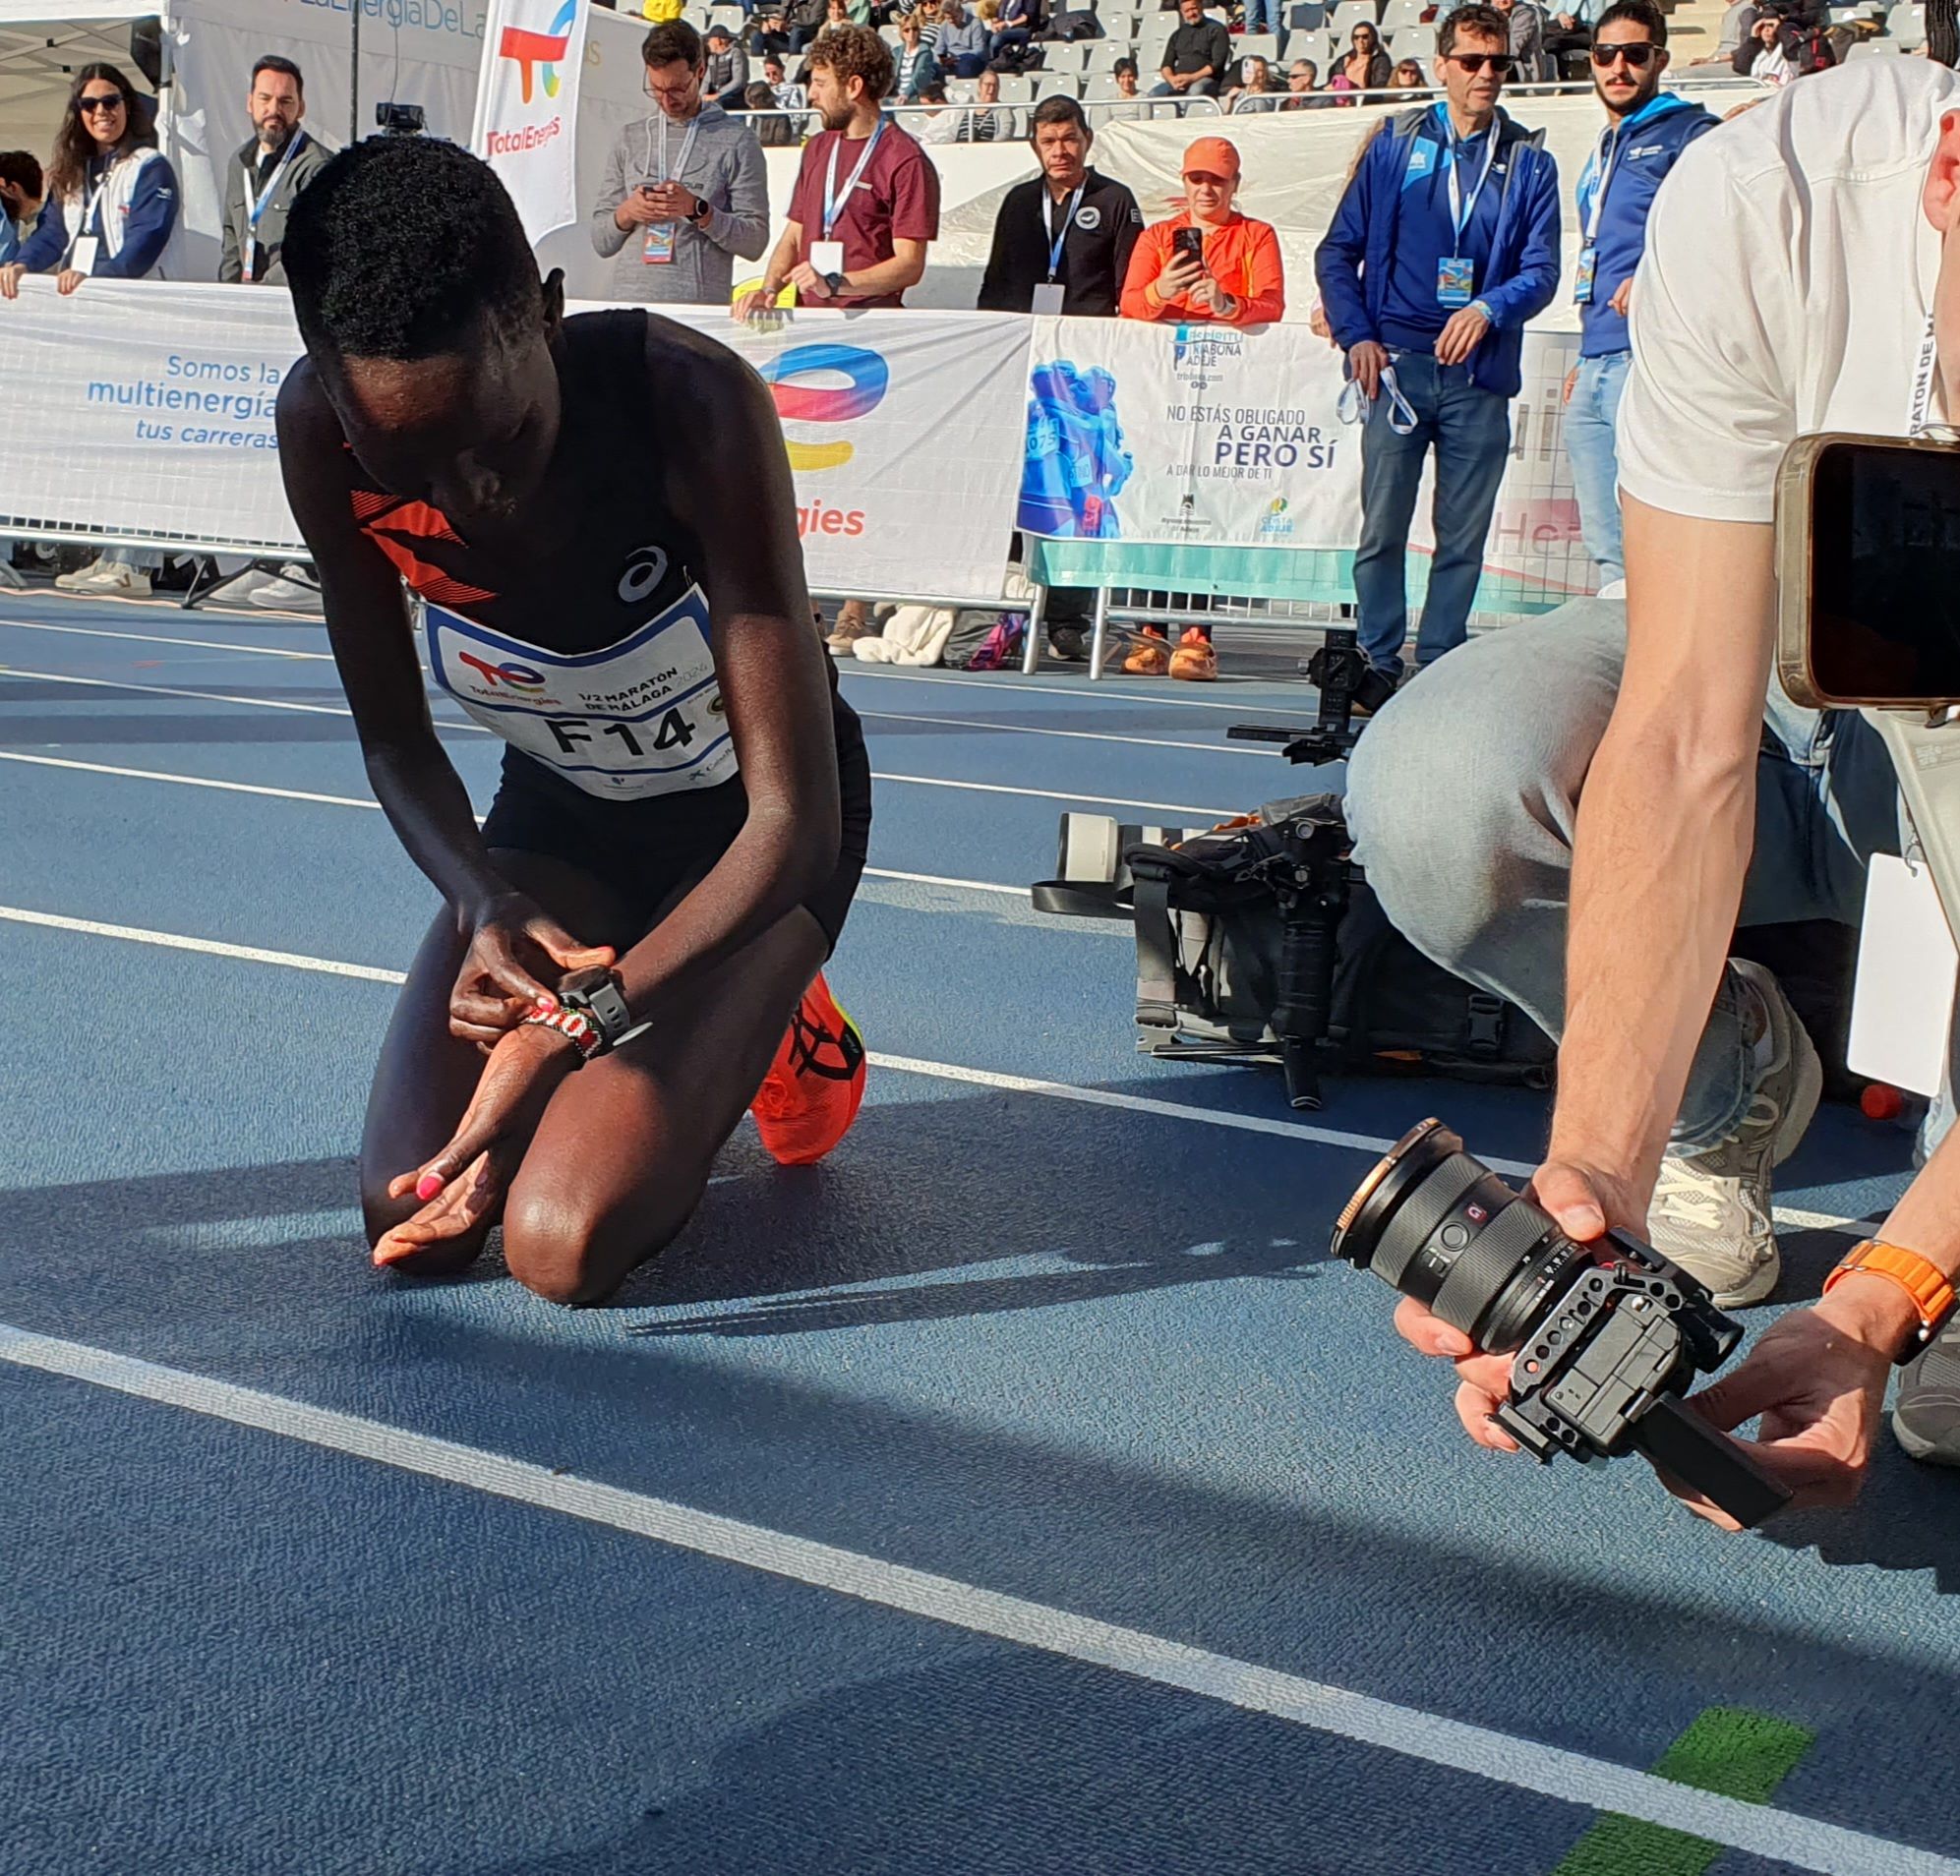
1646	130
1444	245
111	194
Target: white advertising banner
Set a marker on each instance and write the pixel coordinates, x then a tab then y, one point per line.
1201	436
527	105
145	410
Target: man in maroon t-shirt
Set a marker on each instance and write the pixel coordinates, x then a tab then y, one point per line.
867	200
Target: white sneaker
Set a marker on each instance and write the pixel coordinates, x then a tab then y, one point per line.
286	594
1711	1209
84	578
119	583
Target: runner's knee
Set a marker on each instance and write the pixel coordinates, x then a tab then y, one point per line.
568	1251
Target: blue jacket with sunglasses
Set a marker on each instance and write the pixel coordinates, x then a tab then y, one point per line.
135	197
1641	150
1355	259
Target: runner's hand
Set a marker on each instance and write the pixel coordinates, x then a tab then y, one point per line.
517	953
1366	361
465	1183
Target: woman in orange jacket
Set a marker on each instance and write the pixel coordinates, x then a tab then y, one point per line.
1239	281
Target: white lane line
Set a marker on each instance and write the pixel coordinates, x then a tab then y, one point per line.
1105	693
1502	1758
1220	747
477	729
1372	1144
356	801
157	638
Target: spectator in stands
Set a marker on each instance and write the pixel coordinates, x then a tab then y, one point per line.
787	97
266	173
1646	130
1128	105
1303	92
1446	241
865	209
1253	91
727	75
768	31
963	41
662	12
915	61
1260	15
988	122
1067	229
1365	67
1206	264
685	190
773	131
1569	29
1408	75
1761	54
940	123
1527	37
20	190
806	19
1194	56
1010	28
111	212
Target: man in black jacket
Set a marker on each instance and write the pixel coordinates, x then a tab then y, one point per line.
1062	239
1194	56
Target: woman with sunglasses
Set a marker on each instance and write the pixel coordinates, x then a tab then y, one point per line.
111	194
1367	67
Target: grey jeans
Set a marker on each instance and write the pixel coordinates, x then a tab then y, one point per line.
1464	792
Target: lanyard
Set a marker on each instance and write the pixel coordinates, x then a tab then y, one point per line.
1598	173
1461	212
256	205
687	147
1353	407
88	215
833	202
1055	241
1918	416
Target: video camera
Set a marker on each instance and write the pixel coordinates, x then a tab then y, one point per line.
1605	1336
400	120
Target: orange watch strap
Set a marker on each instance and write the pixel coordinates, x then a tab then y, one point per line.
1929	1287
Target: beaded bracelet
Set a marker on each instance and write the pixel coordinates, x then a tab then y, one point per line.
575	1027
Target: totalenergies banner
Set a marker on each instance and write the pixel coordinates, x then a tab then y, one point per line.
527	106
145	410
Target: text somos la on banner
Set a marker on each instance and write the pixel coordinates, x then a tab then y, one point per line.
146	409
527	106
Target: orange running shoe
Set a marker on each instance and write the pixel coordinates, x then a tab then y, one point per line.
811	1094
1149	659
1194	659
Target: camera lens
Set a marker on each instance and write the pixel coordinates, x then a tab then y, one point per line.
1439	1225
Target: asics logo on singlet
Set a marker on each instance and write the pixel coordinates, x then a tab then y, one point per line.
498	677
644	572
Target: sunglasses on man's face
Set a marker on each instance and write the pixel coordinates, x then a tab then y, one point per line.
1639	56
1496	62
100	101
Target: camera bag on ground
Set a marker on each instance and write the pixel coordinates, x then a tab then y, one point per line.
1259	941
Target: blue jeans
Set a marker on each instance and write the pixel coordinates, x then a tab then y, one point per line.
1464	792
1592	426
1261	16
1470	430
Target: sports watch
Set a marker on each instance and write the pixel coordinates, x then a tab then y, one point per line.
1929	1286
700	210
595	995
835	282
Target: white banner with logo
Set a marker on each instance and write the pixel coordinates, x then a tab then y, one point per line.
527	105
1205	436
145	410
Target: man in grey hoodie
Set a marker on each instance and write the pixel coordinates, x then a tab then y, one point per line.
685	188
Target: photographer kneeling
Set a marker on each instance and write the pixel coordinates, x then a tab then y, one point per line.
1609	769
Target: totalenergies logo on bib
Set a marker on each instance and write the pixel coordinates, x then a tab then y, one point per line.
538	53
505	676
867	378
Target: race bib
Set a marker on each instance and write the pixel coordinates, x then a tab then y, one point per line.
641	719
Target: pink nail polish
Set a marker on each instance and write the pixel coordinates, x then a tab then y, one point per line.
427	1186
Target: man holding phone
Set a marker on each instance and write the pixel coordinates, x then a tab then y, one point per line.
687	189
1576	811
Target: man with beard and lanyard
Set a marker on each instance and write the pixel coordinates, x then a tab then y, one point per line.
598	516
865	209
1646	132
1590	855
685	190
266	174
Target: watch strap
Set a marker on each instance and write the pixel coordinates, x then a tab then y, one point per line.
596	995
1929	1287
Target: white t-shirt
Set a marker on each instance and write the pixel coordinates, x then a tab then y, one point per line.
1788	275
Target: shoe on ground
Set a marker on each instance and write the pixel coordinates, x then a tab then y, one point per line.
1151	658
1194	660
288	593
854	621
1069	643
1711	1209
1925	1417
1374	690
119	581
84	578
816	1085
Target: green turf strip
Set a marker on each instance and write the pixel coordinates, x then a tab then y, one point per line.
1726	1749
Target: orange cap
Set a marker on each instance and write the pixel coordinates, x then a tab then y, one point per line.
1215	155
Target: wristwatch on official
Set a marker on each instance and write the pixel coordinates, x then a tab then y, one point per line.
835	282
1929	1287
700	210
595	995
